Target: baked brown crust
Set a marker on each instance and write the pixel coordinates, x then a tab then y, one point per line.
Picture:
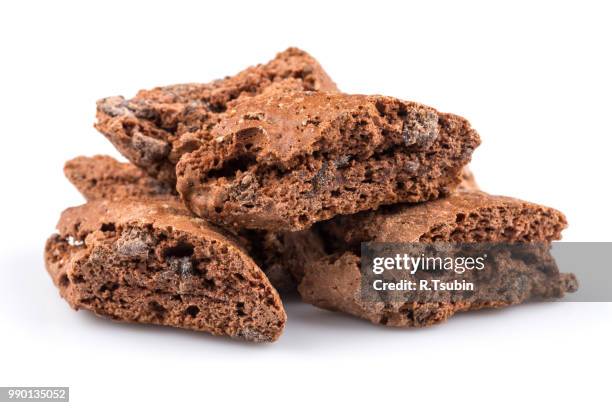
284	254
285	161
157	126
103	177
150	261
334	281
453	220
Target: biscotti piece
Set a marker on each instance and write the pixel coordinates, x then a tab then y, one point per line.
150	261
333	282
103	177
284	254
157	126
284	162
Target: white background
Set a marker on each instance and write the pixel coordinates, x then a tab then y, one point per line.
533	78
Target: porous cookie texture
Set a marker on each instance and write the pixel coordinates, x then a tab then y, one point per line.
103	177
333	281
282	162
157	126
150	261
284	254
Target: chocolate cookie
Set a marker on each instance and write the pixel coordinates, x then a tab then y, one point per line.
333	281
157	126
286	161
284	254
150	261
103	177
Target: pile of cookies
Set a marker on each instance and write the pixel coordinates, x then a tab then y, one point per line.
265	182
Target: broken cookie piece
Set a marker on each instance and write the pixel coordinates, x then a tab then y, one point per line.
150	261
285	161
334	281
156	127
284	254
103	177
